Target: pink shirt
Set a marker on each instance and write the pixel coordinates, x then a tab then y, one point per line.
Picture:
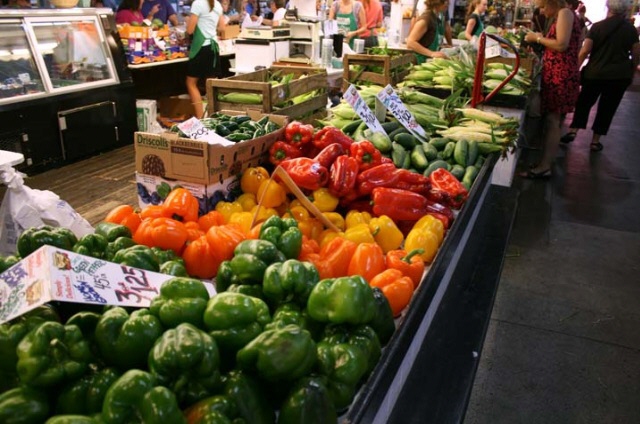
126	16
374	16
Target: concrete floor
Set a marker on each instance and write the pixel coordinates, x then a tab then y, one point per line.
563	345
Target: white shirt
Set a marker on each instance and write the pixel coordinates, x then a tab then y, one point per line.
207	19
278	15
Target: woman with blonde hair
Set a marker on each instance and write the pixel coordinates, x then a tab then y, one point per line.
427	33
474	18
560	77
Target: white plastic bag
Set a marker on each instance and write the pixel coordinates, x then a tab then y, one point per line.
24	207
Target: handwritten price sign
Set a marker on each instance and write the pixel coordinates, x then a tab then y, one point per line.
194	129
360	106
392	102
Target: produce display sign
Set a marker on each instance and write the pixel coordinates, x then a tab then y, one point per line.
392	102
194	129
53	274
352	96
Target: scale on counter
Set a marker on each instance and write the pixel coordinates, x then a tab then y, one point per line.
265	33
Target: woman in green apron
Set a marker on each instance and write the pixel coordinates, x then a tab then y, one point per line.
474	23
204	23
351	18
427	33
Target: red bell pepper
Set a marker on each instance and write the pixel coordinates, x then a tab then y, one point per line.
446	221
330	135
404	205
282	150
366	154
306	173
446	185
297	133
413	181
343	176
383	175
329	154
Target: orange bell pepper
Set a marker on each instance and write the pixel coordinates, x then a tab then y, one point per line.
309	246
165	233
396	287
337	254
154	211
410	264
252	178
254	232
210	219
311	228
224	239
323	266
181	204
193	230
124	215
200	260
367	261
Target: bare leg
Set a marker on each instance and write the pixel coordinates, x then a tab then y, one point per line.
552	127
194	94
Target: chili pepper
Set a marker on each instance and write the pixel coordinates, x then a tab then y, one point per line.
249	397
329	135
124	215
359	233
443	181
117	245
383	175
367	261
396	287
86	395
308	401
382	322
180	300
337	253
324	200
224	239
201	258
289	281
93	245
125	340
297	133
112	231
306	173
342	300
329	154
281	150
410	264
175	268
424	239
252	178
35	237
343	176
432	223
355	217
366	154
211	409
271	194
227	209
52	354
181	204
386	233
174	362
135	397
24	405
284	234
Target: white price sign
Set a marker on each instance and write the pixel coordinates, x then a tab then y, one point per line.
194	129
358	104
392	102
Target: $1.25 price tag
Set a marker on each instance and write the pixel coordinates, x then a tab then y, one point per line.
392	102
194	129
358	104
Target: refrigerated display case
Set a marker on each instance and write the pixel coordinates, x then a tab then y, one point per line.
65	90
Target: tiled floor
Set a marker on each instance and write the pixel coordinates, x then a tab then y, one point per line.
563	344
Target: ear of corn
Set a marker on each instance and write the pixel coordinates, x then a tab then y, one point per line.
242	98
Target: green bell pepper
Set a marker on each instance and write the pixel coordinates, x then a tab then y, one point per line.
115	246
288	281
214	409
284	233
382	322
137	256
283	354
362	336
164	255
250	261
180	300
51	354
87	321
254	290
308	402
234	319
112	231
125	340
7	262
71	419
135	397
249	397
23	405
175	268
34	238
342	300
290	313
86	395
186	360
94	245
226	278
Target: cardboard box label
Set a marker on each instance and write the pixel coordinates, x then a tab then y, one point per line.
53	274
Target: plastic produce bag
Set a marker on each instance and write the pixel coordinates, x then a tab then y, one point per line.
24	207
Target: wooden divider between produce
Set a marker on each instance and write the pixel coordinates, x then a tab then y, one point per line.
392	68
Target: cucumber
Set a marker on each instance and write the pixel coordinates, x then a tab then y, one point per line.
460	152
380	140
391	126
401	130
436	165
406	163
430	151
472	155
418	158
350	128
488	148
448	150
439	142
358	134
479	162
457	171
406	140
398	154
470	174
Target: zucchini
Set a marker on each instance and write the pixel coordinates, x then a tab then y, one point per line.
460	152
436	165
391	126
418	158
350	128
406	140
448	150
430	151
457	171
439	142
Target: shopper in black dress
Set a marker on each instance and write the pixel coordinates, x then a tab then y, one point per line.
614	52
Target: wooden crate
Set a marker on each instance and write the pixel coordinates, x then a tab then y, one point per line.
258	82
393	68
526	63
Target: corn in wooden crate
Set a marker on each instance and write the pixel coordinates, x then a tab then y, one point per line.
304	95
377	69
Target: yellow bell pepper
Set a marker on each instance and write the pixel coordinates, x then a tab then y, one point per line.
433	224
336	219
261	213
252	178
354	218
386	233
243	219
327	235
271	194
299	213
312	228
228	208
425	239
359	233
324	200
247	200
296	202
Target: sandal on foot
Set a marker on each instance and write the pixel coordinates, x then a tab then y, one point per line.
532	175
596	147
568	137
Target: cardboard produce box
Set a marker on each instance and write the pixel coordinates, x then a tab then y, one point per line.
229	31
146	113
169	156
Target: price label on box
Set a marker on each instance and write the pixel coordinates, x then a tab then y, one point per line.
358	104
194	129
390	99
